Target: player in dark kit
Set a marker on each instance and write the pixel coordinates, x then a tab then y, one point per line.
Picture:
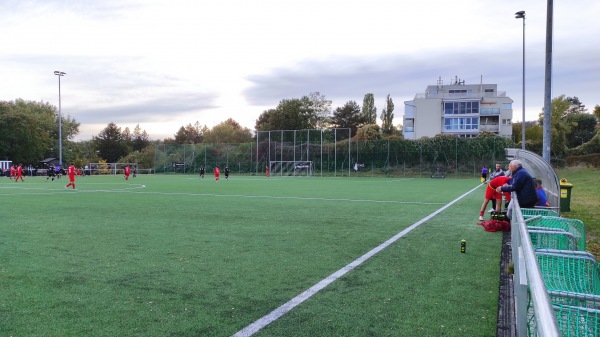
226	172
202	171
51	173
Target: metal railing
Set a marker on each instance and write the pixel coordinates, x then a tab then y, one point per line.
528	282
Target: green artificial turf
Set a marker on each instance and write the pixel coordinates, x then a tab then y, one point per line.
178	255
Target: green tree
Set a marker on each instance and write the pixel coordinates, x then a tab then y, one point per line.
127	139
583	128
189	134
143	158
369	111
30	131
321	108
140	138
290	114
263	120
228	131
348	116
387	117
560	127
597	112
516	135
110	143
81	153
576	106
368	132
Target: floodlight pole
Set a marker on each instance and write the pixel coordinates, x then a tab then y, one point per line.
59	74
547	131
521	15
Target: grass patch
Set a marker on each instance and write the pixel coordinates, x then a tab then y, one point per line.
178	255
585	202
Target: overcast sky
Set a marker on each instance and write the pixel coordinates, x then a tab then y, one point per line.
163	64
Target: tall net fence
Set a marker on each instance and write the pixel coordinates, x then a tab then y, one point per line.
333	153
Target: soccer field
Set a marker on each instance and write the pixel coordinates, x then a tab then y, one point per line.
176	255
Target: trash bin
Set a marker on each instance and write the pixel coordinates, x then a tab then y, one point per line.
565	195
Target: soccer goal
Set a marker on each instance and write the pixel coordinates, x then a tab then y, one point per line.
291	168
109	168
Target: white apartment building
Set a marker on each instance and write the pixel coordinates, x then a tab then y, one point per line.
458	109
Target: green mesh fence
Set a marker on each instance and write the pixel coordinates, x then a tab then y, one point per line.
575	272
577	321
573	226
333	153
573	283
566	298
572	320
530	212
552	238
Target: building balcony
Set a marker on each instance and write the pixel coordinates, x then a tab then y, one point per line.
489	128
489	111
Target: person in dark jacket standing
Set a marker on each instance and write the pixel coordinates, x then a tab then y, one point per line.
522	183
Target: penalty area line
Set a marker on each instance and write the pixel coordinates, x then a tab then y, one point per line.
294	302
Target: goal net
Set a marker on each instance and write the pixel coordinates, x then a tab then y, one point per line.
291	168
109	168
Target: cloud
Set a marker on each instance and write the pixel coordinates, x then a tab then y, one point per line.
152	110
352	78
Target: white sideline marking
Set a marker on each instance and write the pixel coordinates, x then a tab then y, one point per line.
291	304
61	190
281	197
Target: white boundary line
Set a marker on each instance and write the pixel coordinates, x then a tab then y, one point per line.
283	197
134	188
291	304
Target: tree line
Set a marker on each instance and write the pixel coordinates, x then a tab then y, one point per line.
574	130
30	129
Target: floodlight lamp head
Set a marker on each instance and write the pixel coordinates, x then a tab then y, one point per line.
59	73
520	15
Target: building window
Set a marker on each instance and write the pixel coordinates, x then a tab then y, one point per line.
461	108
409	125
506	106
461	123
506	122
460	92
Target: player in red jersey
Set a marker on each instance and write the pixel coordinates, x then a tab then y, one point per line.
217	172
13	171
71	171
19	173
127	171
490	193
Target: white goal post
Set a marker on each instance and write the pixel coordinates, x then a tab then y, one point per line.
291	168
109	168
